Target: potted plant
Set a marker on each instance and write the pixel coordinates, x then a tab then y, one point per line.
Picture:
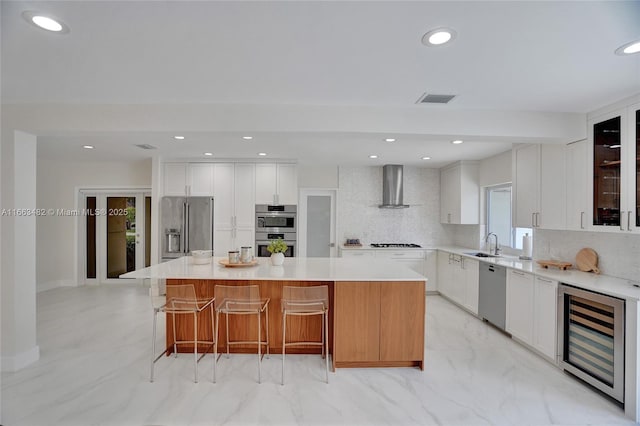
277	249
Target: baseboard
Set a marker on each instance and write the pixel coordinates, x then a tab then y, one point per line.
50	285
21	360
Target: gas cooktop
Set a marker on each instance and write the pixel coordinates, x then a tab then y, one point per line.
395	245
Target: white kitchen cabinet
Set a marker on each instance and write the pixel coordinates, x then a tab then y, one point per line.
276	184
200	179
175	179
471	268
519	313
460	193
413	259
431	269
545	329
539	186
356	253
445	272
577	185
188	179
614	171
458	279
234	208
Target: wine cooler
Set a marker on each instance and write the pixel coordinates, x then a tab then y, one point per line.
591	338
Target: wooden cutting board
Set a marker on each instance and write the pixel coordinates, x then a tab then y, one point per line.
587	260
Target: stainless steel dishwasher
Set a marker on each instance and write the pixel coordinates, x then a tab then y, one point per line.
492	301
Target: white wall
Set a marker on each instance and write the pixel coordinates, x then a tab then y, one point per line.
495	170
325	177
360	193
58	183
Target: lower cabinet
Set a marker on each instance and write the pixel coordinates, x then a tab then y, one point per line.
379	323
431	269
519	314
413	259
531	311
458	279
471	272
545	311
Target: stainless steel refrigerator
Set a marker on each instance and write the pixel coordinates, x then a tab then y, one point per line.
187	224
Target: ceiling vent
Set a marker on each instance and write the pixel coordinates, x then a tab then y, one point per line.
146	146
435	99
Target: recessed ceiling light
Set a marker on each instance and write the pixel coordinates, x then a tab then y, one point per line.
262	154
438	37
208	154
373	156
389	140
44	22
247	138
88	146
179	138
426	158
456	142
629	48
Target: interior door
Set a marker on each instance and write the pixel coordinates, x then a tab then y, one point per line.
317	223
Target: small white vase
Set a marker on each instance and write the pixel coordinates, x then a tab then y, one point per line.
277	259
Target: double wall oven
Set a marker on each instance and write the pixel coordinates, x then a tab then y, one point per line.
273	222
591	338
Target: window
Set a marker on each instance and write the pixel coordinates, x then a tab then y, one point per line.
499	217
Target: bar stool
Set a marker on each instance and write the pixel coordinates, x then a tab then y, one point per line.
306	301
241	300
182	300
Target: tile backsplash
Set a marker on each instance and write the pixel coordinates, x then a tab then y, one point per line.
618	254
359	216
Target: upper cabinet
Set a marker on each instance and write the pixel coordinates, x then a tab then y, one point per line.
577	169
539	186
276	184
460	194
234	206
175	179
614	164
188	179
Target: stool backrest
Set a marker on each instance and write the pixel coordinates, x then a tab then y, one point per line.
181	297
314	294
237	293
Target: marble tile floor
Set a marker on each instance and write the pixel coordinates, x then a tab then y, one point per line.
94	370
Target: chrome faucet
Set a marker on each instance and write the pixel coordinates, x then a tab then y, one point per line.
496	250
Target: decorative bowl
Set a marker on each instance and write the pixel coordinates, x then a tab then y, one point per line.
201	257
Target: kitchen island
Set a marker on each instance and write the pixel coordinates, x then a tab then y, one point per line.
377	307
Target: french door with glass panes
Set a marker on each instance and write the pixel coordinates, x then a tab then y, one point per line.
117	232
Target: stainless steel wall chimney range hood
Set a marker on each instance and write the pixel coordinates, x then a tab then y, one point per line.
392	187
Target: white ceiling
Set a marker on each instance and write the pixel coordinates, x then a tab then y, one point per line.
508	56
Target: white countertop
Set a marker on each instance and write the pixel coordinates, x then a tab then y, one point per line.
368	247
294	269
605	284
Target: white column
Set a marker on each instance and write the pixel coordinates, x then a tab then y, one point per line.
18	269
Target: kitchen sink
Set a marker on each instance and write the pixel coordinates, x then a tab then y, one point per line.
481	254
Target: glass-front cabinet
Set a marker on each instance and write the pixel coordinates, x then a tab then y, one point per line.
607	172
615	155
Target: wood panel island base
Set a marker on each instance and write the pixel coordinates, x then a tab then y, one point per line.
377	308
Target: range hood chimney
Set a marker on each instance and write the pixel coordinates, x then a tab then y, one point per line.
392	187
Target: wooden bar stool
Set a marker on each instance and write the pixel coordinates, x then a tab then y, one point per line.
182	300
241	300
305	301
